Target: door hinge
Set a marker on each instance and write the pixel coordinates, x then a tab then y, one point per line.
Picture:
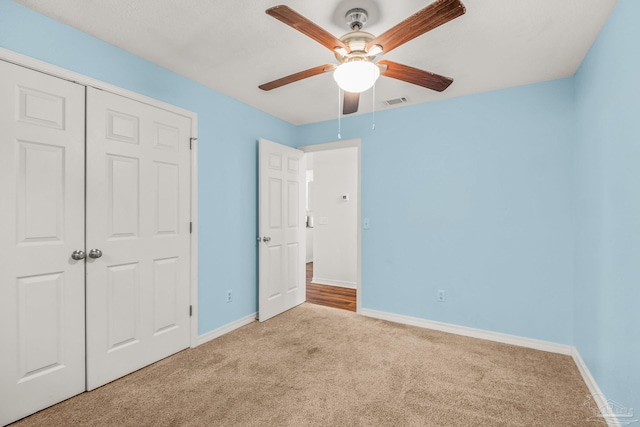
191	142
190	227
190	311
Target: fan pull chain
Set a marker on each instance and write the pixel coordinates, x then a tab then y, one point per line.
373	107
339	123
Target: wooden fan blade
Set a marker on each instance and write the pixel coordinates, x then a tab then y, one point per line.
350	102
298	22
298	76
416	76
437	13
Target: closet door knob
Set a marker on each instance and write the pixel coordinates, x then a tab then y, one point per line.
95	253
266	239
78	255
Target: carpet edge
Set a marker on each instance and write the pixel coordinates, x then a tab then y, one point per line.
471	332
225	329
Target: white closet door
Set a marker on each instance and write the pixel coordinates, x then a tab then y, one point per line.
42	352
138	213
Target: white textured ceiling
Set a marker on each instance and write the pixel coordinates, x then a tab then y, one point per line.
232	46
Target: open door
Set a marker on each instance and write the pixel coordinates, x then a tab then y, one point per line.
282	284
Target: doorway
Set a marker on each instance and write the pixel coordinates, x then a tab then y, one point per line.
333	224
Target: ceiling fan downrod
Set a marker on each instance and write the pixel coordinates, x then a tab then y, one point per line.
356	18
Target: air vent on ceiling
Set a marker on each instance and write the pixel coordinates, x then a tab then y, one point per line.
396	101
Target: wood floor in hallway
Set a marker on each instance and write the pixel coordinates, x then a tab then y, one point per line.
330	296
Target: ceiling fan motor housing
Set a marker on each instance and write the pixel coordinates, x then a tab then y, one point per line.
357	42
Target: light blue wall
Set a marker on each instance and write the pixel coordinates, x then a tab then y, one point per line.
228	134
607	292
471	195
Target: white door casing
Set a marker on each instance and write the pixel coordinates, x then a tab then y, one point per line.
42	355
138	205
282	284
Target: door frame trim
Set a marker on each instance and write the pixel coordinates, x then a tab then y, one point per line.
348	143
62	73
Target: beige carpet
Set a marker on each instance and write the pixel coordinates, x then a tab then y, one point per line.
318	366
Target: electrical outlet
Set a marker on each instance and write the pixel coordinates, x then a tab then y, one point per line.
440	296
229	296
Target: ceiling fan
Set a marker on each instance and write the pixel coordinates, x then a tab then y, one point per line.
357	51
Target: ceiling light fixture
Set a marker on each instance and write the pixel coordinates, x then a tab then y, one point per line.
356	76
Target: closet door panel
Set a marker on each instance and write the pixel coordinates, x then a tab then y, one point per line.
42	351
138	169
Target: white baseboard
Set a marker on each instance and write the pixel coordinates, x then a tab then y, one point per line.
598	397
569	350
471	332
226	328
330	282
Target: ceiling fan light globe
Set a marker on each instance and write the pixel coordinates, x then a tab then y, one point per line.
356	76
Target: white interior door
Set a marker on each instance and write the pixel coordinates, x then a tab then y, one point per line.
138	204
282	229
42	353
